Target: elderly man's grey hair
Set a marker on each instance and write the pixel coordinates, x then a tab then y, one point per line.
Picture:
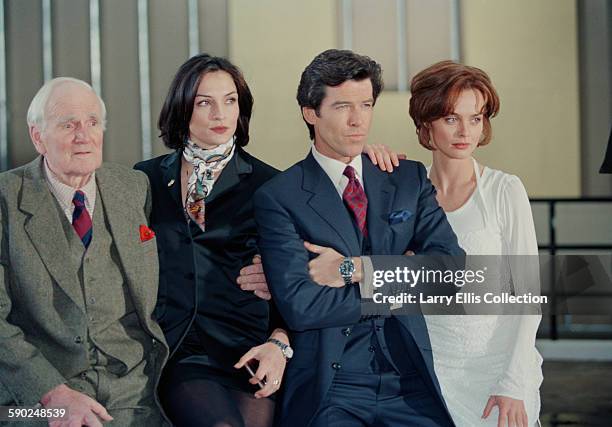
37	108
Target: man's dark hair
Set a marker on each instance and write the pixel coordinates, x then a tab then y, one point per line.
332	68
176	113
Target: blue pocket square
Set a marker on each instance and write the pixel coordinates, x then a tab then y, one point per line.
399	216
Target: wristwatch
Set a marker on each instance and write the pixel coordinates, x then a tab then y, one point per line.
285	348
346	269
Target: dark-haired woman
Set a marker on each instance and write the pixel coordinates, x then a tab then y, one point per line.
202	216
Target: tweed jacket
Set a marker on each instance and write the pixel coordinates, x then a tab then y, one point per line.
43	323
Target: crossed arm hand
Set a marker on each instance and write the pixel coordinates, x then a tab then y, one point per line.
324	269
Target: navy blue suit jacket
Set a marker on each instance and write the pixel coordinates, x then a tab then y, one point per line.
303	204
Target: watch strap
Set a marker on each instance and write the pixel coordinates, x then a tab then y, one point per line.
283	347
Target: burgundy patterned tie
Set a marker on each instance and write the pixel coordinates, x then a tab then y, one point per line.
81	221
355	198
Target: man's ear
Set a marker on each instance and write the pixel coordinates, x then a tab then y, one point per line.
36	137
310	115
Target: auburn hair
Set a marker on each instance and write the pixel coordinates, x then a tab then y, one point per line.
435	91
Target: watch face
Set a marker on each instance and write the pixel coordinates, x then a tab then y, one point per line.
288	351
347	268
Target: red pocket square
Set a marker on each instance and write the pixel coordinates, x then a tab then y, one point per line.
146	233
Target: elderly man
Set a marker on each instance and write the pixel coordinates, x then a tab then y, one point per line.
78	272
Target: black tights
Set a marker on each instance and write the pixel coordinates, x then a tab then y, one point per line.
206	403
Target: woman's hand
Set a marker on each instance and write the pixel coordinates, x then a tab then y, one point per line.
511	411
383	156
252	278
324	269
272	364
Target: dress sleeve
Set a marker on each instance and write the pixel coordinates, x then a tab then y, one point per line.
519	242
516	220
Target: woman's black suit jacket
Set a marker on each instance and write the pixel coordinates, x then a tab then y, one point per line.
198	270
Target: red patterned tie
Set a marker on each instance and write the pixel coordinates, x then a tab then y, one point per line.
81	221
355	198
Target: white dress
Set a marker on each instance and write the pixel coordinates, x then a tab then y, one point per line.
476	356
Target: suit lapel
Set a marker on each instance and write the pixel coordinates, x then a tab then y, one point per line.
326	202
171	169
44	228
124	220
380	192
230	175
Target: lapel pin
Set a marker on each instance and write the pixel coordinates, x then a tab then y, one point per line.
171	183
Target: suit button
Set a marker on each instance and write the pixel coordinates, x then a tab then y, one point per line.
83	375
378	328
189	276
78	339
336	366
154	342
371	349
346	332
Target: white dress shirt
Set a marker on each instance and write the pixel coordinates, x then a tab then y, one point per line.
335	170
64	193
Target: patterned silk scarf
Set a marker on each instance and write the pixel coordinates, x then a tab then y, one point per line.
207	166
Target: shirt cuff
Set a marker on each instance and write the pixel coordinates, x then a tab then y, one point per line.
366	287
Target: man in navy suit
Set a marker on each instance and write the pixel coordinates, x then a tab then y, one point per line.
349	369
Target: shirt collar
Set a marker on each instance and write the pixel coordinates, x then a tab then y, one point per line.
335	169
65	193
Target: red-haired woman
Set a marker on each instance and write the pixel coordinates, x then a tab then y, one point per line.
482	361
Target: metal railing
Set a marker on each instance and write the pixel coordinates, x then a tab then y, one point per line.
553	248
